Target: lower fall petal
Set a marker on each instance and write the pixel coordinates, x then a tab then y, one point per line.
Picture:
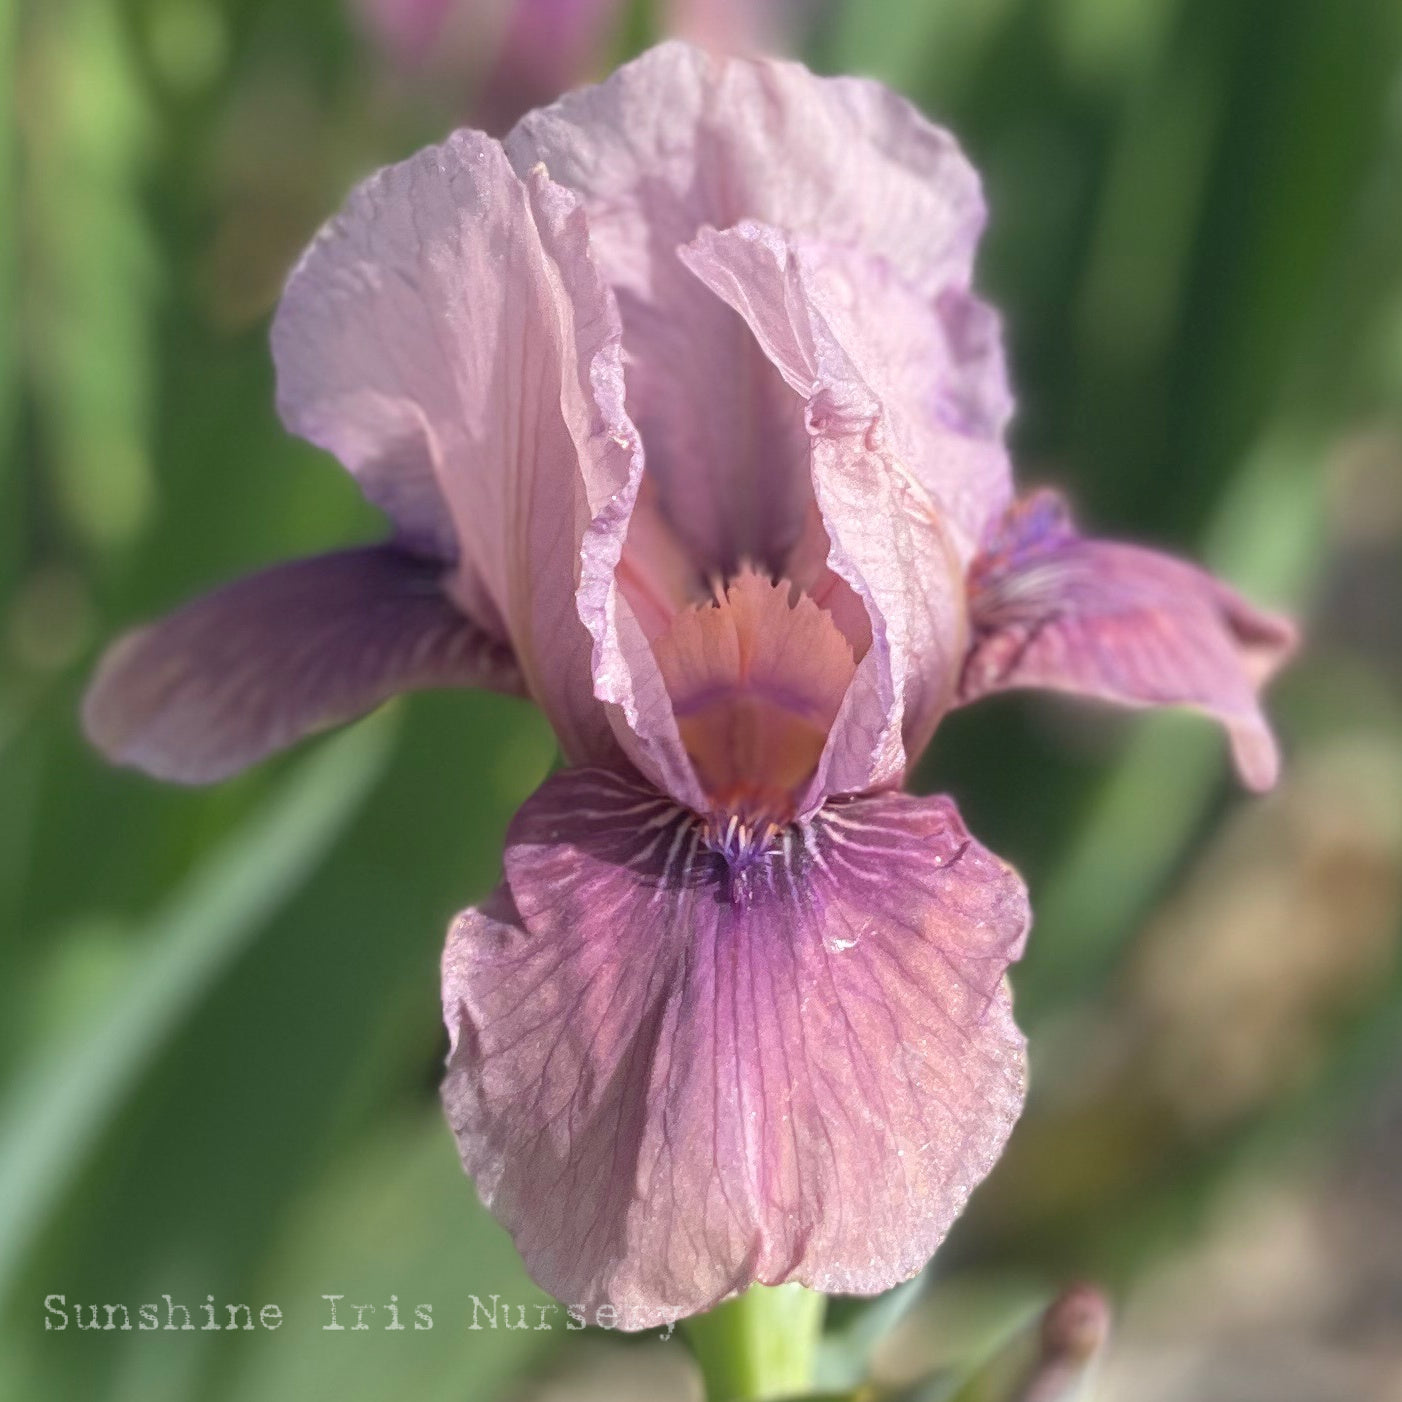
672	1077
261	662
1119	623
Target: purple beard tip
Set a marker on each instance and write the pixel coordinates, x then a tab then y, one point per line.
743	844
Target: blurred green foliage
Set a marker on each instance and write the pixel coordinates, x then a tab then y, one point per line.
219	1027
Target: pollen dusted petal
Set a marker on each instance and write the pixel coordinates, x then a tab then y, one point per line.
670	1084
756	679
1120	623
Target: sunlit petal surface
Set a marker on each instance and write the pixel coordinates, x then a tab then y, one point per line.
1120	623
276	656
672	1079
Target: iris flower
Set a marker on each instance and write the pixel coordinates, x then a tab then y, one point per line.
692	430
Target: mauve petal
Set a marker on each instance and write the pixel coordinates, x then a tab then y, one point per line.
935	370
680	139
622	670
1123	624
448	338
670	1083
256	665
873	448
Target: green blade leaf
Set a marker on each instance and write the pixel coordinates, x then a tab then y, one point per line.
60	1105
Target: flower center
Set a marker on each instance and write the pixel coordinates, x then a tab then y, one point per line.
755	677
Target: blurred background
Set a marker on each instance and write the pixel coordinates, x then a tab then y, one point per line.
219	1022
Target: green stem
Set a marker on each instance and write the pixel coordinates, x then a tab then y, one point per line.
759	1345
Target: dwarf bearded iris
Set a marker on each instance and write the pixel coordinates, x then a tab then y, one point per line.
691	429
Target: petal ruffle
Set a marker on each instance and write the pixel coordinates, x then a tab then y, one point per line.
681	139
875	442
258	664
670	1082
449	339
934	371
1120	623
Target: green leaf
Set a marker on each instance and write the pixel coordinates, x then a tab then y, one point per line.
91	270
59	1106
399	1219
844	1353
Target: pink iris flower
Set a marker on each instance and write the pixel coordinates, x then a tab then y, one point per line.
691	429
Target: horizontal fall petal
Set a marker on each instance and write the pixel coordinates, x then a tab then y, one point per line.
1120	623
256	665
671	1080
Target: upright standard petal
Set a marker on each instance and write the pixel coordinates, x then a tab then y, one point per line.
672	1080
448	338
1120	623
258	664
874	442
934	372
680	139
